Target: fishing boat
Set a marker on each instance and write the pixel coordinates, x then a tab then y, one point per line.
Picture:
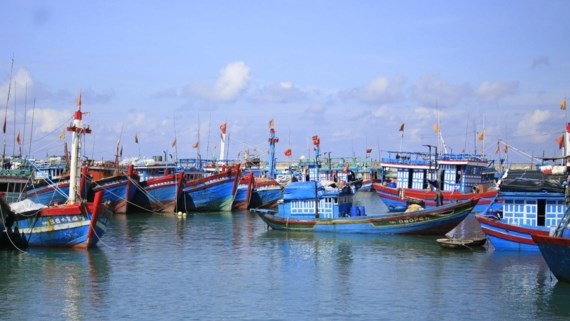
555	248
119	187
452	243
309	206
76	223
462	177
163	193
212	193
533	203
260	189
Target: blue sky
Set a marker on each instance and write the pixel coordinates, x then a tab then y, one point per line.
348	71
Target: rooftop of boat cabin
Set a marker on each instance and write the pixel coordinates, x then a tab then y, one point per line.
403	159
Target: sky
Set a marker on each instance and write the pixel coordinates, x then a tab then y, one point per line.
351	72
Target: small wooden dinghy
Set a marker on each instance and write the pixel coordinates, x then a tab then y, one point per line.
452	243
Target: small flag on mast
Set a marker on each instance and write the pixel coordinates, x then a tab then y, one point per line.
271	123
174	143
79	100
436	128
563	104
560	141
401	128
136	138
288	152
223	128
481	136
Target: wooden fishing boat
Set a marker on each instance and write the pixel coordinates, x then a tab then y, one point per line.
462	177
308	206
532	204
119	187
454	243
555	247
212	193
77	223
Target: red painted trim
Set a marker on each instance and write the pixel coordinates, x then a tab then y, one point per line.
510	227
508	237
94	217
553	240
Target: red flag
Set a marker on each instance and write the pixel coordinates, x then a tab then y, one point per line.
174	142
560	141
271	123
18	139
195	145
79	100
498	149
368	150
223	128
316	140
505	148
288	152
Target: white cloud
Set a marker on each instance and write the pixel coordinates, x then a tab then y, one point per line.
494	91
233	80
531	126
378	91
284	92
431	90
47	120
20	81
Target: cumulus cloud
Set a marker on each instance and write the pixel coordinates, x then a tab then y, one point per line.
20	81
531	125
430	90
284	92
494	91
47	119
378	91
233	80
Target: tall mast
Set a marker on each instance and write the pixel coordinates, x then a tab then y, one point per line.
77	129
272	141
6	113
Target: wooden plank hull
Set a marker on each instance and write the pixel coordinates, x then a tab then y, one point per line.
435	221
556	253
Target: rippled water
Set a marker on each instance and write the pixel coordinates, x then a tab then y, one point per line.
230	267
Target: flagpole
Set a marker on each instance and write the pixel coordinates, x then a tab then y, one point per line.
6	113
32	128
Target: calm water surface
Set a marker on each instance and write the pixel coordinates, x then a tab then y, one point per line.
230	267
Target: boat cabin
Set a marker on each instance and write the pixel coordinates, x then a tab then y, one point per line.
304	199
465	173
531	198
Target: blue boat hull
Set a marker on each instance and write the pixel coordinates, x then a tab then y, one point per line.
211	197
556	253
266	197
509	237
118	192
437	221
48	195
61	231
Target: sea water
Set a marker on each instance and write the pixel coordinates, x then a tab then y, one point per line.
229	266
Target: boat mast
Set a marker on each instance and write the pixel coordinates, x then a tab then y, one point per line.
272	141
6	113
77	130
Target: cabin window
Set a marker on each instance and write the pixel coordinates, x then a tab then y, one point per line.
410	177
